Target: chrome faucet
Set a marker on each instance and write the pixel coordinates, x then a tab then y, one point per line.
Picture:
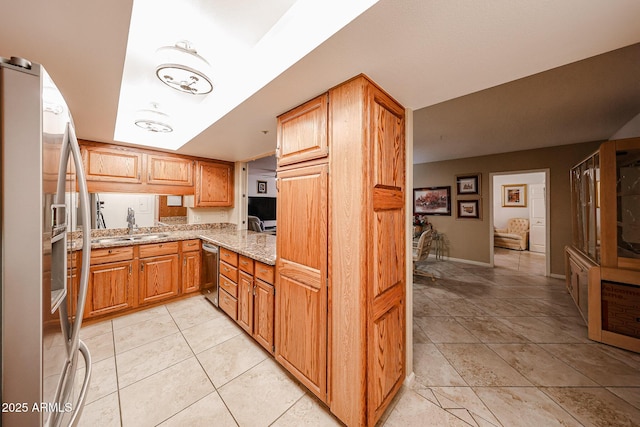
131	220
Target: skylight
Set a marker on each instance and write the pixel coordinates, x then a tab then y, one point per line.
247	43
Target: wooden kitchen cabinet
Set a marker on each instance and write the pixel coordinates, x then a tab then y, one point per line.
301	298
245	301
191	271
302	132
166	170
159	272
113	165
341	238
111	282
214	184
263	312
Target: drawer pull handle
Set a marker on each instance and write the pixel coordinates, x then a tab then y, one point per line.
110	251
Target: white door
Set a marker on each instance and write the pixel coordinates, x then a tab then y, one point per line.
537	213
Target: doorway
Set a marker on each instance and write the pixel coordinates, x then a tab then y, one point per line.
519	197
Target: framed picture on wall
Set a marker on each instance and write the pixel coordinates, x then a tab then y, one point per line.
432	200
469	209
514	196
468	185
262	187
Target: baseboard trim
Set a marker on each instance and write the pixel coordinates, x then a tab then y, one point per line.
558	276
464	261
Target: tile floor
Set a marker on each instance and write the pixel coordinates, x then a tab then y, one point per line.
492	347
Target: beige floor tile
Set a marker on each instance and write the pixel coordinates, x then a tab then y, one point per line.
573	326
139	316
307	412
193	311
466	398
103	380
460	307
89	330
524	407
419	337
206	412
498	307
629	394
432	369
231	358
536	330
445	330
539	366
490	330
414	410
211	333
596	364
259	396
146	360
596	406
104	412
140	333
160	396
480	366
100	346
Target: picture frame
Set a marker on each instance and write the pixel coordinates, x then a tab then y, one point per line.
432	201
468	185
468	209
262	187
514	196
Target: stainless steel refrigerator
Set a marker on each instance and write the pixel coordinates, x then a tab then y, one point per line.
46	368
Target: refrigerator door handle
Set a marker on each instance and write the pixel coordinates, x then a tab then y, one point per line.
70	147
85	384
86	237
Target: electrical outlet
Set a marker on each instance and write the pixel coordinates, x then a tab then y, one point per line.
197	218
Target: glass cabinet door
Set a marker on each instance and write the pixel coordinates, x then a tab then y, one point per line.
628	203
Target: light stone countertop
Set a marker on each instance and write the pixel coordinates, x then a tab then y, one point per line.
259	246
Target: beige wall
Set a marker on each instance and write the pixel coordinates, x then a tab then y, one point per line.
469	239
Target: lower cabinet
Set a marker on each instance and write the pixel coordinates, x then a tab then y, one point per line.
247	295
111	282
158	277
191	266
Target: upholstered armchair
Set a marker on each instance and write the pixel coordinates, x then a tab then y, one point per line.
515	236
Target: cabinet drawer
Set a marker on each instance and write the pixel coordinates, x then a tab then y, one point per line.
229	286
230	271
101	256
265	272
228	304
229	257
245	264
156	249
190	245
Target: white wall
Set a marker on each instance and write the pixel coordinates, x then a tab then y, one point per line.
501	214
115	207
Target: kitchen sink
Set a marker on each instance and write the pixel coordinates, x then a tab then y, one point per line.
129	238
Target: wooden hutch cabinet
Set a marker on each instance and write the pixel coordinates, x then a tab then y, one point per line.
340	273
603	262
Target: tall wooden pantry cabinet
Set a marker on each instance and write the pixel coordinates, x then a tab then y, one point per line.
340	286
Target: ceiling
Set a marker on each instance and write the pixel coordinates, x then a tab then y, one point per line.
426	53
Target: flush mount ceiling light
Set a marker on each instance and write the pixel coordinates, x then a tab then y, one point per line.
153	120
183	69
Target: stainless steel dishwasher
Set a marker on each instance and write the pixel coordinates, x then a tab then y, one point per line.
210	261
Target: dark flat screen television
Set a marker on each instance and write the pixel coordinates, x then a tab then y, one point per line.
262	207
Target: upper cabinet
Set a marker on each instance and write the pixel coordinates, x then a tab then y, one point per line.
302	132
165	170
214	184
114	168
113	165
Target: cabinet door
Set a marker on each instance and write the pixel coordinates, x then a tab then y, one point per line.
245	301
386	276
214	184
263	306
110	288
302	132
108	164
191	276
158	278
165	170
301	276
